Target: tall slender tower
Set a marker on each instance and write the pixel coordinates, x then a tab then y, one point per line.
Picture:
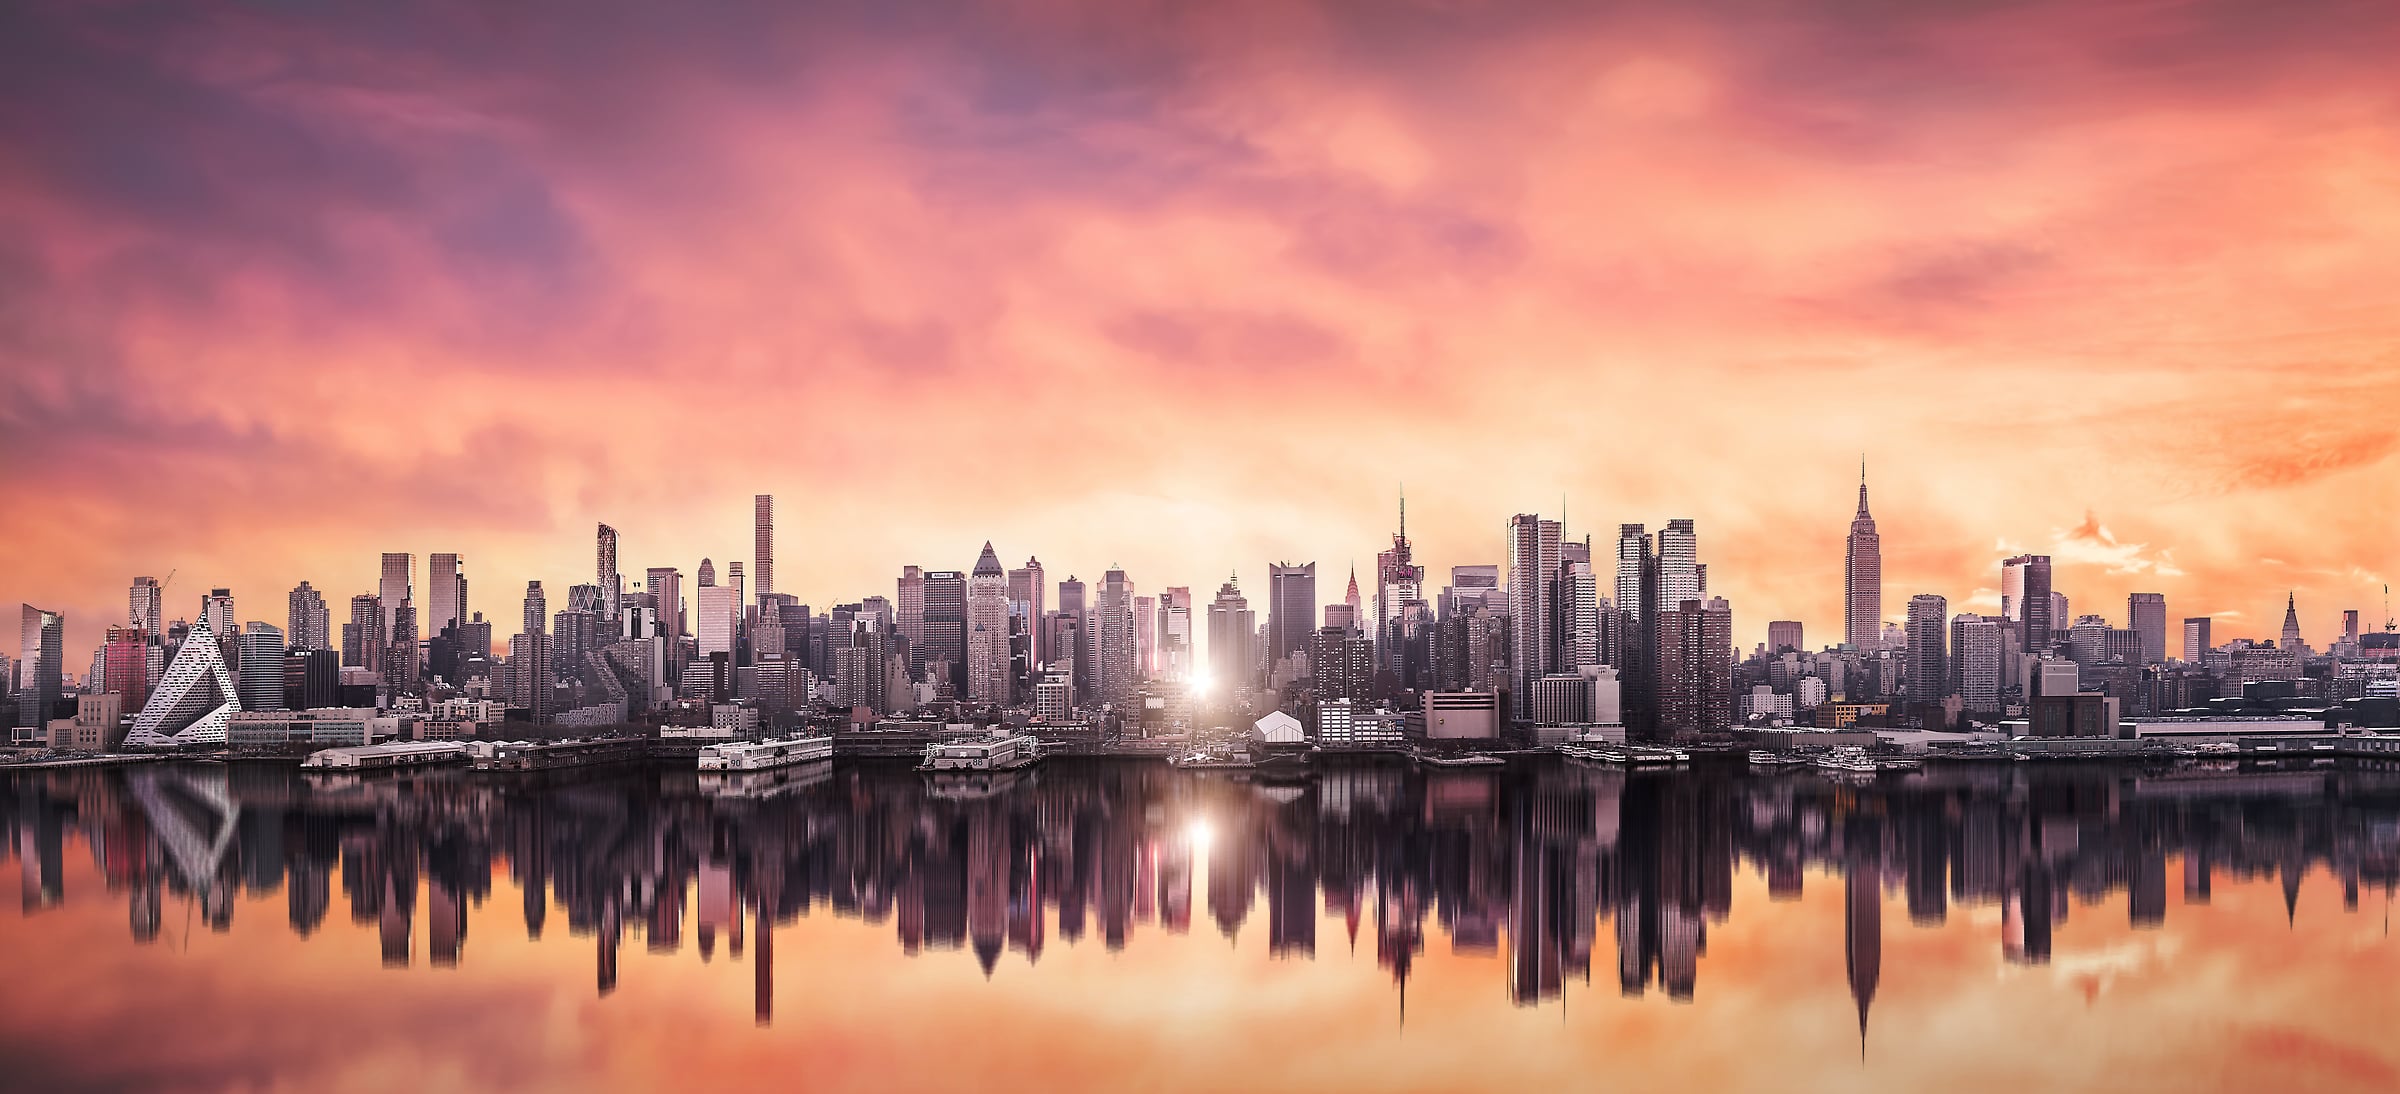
448	599
396	588
1862	576
2290	639
612	587
762	534
1533	562
987	630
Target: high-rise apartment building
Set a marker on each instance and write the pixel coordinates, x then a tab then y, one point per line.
311	624
1695	658
363	636
1928	653
217	608
988	677
1291	609
2030	576
1116	641
537	609
1862	577
396	587
1678	564
1785	635
1533	562
1579	628
125	657
1978	655
605	573
2146	617
144	607
762	542
908	602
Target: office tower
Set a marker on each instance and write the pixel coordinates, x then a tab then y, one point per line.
1979	653
1175	632
2290	639
259	684
396	587
475	637
1357	607
2196	643
311	679
1695	667
1116	641
1928	653
311	624
2146	617
363	636
1399	582
446	596
1071	606
1028	596
1291	609
1579	626
666	584
741	606
945	626
1637	581
1339	615
708	572
1783	635
1476	584
719	611
1344	661
987	630
604	570
762	542
125	657
909	602
2030	576
143	605
1532	547
1862	576
403	663
217	608
1146	635
2350	628
1230	627
194	702
537	609
41	667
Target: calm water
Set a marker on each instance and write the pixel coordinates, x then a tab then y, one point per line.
1128	927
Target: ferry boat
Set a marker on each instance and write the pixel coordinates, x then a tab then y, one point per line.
998	752
1460	761
1760	757
1848	759
765	755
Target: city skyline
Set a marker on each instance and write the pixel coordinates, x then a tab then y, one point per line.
2087	302
1750	623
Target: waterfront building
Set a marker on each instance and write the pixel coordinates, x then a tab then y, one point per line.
196	699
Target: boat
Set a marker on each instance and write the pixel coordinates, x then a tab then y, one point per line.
1760	757
1461	761
765	755
1203	760
1848	759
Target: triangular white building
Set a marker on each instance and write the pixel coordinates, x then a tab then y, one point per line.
193	702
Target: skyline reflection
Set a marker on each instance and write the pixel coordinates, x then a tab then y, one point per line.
1535	868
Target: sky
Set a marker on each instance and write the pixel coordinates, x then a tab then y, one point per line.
1193	288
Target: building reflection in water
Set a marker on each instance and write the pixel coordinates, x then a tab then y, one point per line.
1535	864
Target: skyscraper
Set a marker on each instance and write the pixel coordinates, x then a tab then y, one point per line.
1175	632
2195	639
41	667
127	660
143	606
604	573
2290	638
1928	653
1862	576
1029	596
2146	616
537	609
1784	634
909	604
945	626
1231	625
1116	644
1695	666
446	600
2033	610
217	608
762	543
719	611
1399	582
363	636
260	681
311	624
1291	609
665	584
1978	657
1678	564
1533	548
397	587
987	630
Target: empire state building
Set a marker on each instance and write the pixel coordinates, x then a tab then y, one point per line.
1862	576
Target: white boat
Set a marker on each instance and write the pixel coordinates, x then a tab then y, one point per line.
765	755
1760	757
1848	759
